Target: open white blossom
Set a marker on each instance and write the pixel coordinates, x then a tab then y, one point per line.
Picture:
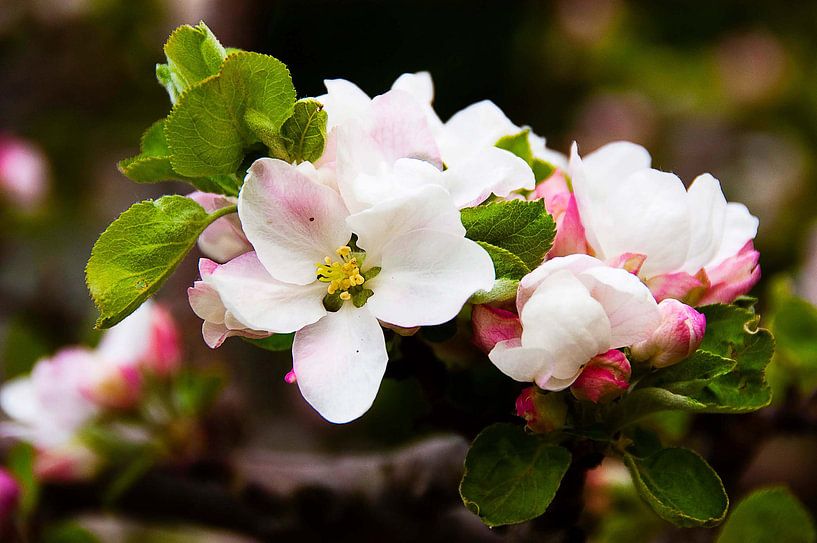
408	264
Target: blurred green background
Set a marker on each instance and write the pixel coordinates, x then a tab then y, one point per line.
727	87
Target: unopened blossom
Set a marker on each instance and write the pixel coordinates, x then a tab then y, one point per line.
23	173
685	236
679	335
65	392
492	325
393	144
572	309
218	323
604	378
9	495
223	239
409	265
543	412
560	202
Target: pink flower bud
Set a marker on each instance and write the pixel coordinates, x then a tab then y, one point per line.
492	325
561	204
164	356
543	411
69	462
604	378
678	336
113	387
224	239
23	173
9	495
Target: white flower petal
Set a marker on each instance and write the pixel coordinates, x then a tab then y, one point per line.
562	318
129	340
628	303
648	213
343	101
740	226
707	216
19	401
292	221
519	363
419	85
339	363
261	302
574	263
427	276
427	208
493	170
473	129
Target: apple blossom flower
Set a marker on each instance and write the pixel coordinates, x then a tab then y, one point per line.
223	239
409	265
679	335
218	323
604	378
399	131
572	309
23	172
684	235
543	412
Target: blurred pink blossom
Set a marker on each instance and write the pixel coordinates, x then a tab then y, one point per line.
23	173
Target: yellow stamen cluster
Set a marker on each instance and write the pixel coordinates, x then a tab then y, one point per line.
341	275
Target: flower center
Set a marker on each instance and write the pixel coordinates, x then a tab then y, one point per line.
342	274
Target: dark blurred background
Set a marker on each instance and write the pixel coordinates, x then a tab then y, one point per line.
726	87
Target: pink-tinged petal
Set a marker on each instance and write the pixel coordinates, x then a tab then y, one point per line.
555	192
492	171
427	276
570	237
418	85
632	262
260	302
627	302
574	263
679	286
563	319
520	363
343	101
223	239
733	277
679	335
206	267
427	208
400	128
740	228
707	217
605	378
58	383
339	362
492	325
292	221
206	303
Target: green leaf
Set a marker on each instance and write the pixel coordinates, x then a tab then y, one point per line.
509	270
680	487
771	515
726	327
795	327
139	250
193	54
209	129
275	342
541	169
689	375
20	463
643	402
503	291
511	476
522	228
303	135
517	144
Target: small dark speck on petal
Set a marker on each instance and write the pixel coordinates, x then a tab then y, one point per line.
311	219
